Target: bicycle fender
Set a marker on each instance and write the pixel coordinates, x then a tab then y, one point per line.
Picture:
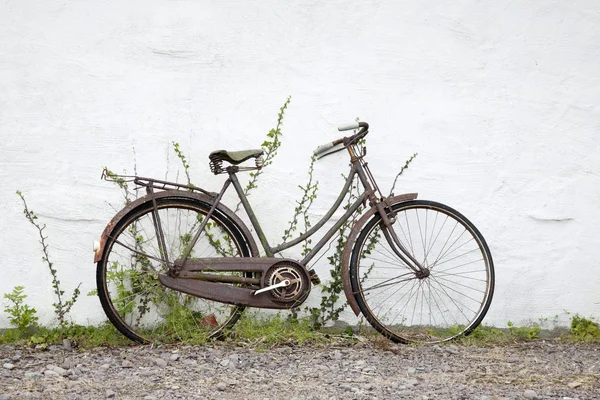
347	252
200	197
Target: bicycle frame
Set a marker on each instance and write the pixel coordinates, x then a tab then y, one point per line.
219	261
358	167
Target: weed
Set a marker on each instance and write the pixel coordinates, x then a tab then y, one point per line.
62	307
260	330
584	329
20	315
523	332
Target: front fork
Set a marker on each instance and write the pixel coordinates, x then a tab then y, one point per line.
387	222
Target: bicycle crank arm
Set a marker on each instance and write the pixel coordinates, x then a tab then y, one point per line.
283	283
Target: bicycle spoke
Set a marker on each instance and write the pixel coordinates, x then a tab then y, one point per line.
437	304
143	309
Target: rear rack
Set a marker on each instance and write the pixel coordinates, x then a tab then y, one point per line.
158	184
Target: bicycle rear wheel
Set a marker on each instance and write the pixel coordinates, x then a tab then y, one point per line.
127	275
451	301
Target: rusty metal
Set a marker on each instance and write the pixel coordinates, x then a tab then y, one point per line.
298	289
200	230
156	184
240	295
228	264
347	252
200	197
202	276
158	226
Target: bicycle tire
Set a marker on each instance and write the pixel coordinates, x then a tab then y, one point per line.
450	302
151	312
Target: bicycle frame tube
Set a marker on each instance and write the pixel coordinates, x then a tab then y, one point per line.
365	177
271	251
368	193
192	243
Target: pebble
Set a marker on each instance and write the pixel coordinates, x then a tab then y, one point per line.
574	384
361	371
57	369
160	362
530	394
50	372
412	382
8	366
512	359
67	344
110	394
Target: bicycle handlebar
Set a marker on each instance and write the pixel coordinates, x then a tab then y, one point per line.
324	149
347	127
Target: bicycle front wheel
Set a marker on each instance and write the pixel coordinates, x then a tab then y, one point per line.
127	275
404	306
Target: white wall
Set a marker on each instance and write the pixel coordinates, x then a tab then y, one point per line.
500	100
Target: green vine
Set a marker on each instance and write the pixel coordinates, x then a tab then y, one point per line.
309	194
404	167
184	162
62	307
270	147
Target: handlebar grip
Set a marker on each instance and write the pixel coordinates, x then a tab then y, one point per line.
348	127
323	148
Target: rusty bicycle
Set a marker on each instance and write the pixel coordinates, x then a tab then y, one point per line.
177	261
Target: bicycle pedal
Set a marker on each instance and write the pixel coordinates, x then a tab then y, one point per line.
283	283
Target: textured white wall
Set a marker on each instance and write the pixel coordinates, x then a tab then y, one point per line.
500	100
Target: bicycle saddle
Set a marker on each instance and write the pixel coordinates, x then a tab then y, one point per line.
234	157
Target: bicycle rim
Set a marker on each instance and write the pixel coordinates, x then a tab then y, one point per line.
451	301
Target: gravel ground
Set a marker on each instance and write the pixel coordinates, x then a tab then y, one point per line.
367	370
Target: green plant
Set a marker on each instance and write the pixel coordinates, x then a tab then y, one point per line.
184	162
309	194
270	147
404	167
584	329
20	315
523	332
63	306
262	330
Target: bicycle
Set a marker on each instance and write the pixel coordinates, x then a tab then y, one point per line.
179	262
